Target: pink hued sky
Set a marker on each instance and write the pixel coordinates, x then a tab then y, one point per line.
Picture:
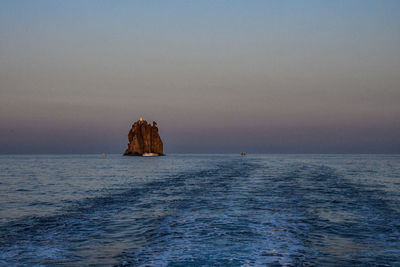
218	77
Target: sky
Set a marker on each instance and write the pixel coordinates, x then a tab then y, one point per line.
217	76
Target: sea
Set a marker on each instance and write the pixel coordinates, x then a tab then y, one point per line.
200	210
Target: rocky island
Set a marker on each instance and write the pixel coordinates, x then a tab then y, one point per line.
144	140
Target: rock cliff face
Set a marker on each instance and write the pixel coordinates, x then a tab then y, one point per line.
144	140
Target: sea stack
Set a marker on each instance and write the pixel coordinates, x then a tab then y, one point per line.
144	140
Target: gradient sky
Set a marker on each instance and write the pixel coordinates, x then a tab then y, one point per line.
217	76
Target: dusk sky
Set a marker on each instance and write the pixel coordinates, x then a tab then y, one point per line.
217	76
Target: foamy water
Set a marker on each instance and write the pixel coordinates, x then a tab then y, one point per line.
200	210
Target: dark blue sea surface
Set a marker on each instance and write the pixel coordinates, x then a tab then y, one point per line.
200	210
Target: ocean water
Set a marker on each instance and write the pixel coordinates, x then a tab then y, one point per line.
200	210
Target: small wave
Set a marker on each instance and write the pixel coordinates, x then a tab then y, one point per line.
229	211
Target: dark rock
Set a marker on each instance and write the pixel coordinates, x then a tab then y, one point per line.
144	140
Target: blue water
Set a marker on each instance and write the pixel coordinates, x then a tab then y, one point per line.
200	210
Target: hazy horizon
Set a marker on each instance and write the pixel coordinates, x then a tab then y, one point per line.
218	77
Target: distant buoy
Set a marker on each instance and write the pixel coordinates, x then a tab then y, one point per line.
104	154
243	153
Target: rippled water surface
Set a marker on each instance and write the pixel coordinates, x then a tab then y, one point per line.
200	210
